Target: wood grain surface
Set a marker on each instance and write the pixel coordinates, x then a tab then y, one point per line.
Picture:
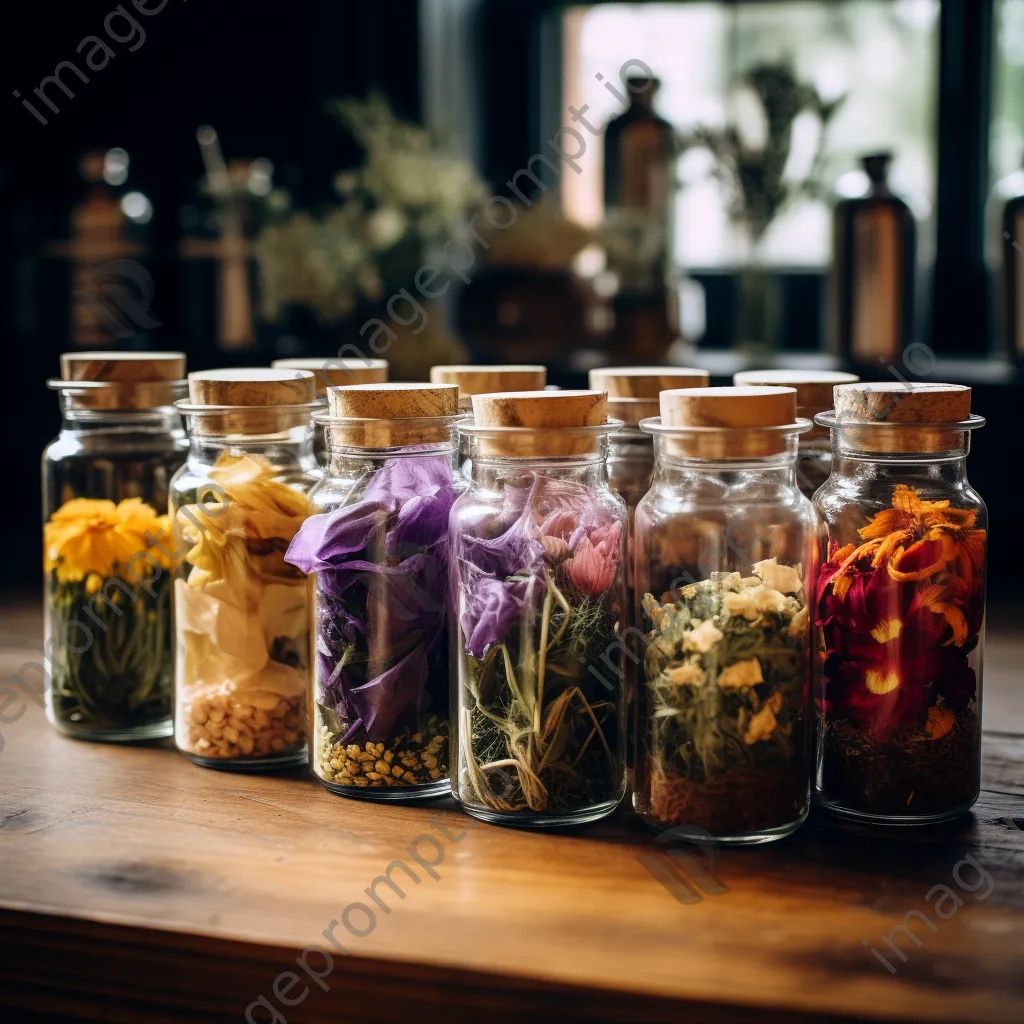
136	886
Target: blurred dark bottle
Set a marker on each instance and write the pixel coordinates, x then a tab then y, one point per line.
639	190
871	284
1009	194
107	249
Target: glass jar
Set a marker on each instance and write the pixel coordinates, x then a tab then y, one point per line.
241	611
900	604
336	372
538	548
473	379
813	396
724	555
108	553
376	548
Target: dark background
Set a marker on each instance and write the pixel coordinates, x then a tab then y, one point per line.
261	70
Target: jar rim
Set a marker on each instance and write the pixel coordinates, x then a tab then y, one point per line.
323	418
467	425
653	425
830	419
188	408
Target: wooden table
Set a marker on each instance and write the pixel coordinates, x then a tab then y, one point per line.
137	887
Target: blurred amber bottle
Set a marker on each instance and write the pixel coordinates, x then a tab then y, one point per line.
871	284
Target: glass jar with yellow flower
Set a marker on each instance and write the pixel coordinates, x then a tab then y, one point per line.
900	605
538	545
108	554
241	611
724	557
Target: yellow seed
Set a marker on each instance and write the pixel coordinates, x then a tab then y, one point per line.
361	781
365	757
434	773
352	750
396	770
417	737
389	756
373	775
381	767
369	747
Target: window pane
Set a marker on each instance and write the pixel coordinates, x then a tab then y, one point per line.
882	54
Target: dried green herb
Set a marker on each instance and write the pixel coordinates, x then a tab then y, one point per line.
726	670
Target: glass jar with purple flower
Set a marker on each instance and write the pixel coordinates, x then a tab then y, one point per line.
376	548
539	613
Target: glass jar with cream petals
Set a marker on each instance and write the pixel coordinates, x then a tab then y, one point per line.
900	606
724	562
241	611
108	551
375	547
539	613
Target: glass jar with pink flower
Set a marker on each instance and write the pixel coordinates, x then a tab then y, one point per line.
900	604
376	549
540	617
724	554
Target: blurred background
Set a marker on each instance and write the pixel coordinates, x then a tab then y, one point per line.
804	183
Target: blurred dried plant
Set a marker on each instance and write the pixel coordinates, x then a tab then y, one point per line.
753	153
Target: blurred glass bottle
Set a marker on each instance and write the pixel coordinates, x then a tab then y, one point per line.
639	176
872	276
1006	208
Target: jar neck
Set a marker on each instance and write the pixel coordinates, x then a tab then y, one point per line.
589	470
765	473
947	468
343	460
287	448
162	420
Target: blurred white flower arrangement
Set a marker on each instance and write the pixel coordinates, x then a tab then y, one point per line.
409	195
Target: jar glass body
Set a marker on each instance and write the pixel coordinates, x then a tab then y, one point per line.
539	614
813	462
901	614
380	596
107	585
724	554
241	611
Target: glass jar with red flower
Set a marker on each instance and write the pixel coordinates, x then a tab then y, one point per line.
813	395
108	552
724	545
376	549
540	620
900	606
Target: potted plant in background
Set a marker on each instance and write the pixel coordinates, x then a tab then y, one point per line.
755	159
342	264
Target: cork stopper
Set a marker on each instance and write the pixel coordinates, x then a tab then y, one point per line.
813	390
518	424
893	417
337	372
728	420
137	380
633	390
481	380
391	415
262	400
